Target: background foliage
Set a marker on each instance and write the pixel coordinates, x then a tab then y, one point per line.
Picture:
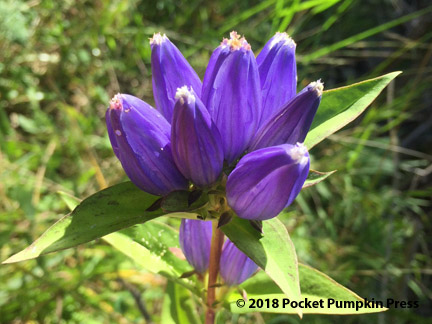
367	226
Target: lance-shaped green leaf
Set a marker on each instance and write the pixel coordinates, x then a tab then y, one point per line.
184	201
178	306
342	105
155	246
148	259
162	241
106	211
142	256
273	251
70	200
316	177
317	289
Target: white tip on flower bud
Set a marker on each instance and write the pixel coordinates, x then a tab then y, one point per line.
116	102
236	42
318	87
282	38
184	94
298	153
158	39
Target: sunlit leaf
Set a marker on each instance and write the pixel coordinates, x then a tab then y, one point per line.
316	177
342	105
70	201
106	211
178	306
272	250
147	259
161	240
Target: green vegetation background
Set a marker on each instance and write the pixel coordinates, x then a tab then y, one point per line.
367	226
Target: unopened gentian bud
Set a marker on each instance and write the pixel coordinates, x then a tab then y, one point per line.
232	94
195	241
140	137
170	71
235	266
196	142
266	181
293	121
278	73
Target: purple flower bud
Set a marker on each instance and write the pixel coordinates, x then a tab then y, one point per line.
232	94
278	73
266	181
170	71
195	241
235	266
140	138
291	124
196	142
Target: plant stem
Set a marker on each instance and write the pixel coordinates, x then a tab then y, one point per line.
215	254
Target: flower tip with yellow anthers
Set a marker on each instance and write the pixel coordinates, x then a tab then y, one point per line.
184	94
318	87
282	38
299	153
236	42
158	39
116	102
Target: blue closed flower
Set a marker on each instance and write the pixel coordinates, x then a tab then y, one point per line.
278	73
267	180
292	121
170	71
195	240
235	266
140	137
232	94
195	140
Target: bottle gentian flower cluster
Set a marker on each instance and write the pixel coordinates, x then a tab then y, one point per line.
245	116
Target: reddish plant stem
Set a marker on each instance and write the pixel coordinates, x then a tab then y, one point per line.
215	254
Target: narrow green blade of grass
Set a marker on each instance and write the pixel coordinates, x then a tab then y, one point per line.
367	33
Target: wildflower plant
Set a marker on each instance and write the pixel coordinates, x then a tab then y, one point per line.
227	155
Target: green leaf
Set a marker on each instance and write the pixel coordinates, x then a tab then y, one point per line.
142	256
178	306
273	251
162	240
342	105
106	211
315	177
184	201
315	286
70	201
158	261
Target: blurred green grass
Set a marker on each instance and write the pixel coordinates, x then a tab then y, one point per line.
61	61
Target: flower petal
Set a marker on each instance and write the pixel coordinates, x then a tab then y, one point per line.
235	266
291	124
231	93
278	73
195	241
265	181
140	137
170	71
196	142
